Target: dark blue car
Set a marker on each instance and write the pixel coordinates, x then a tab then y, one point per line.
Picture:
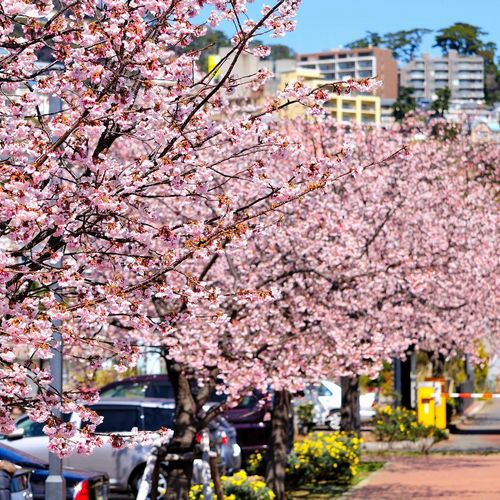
80	485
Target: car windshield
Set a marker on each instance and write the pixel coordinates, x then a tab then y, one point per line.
133	390
117	419
35	429
126	390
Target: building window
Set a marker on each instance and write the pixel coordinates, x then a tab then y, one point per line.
365	64
365	74
346	65
304	58
327	67
364	54
328	56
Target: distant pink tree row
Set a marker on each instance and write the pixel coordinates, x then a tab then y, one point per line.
403	255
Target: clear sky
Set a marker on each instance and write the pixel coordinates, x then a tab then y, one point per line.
325	24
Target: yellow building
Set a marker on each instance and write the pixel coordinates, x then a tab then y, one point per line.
355	108
309	77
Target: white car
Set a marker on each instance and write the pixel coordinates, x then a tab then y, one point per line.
326	397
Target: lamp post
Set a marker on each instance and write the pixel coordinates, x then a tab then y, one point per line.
55	484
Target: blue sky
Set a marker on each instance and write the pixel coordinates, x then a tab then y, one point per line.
324	24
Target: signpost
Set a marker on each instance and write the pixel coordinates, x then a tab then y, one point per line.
55	485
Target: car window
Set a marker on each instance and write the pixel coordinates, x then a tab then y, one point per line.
248	402
31	429
35	429
155	418
324	391
245	403
117	419
160	390
134	390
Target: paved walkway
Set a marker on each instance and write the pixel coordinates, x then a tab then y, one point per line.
455	469
434	476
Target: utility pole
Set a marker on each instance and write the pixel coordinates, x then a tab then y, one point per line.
397	383
55	484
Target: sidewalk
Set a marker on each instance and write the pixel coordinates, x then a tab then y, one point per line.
463	472
434	476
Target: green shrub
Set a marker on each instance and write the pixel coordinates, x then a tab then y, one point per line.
239	486
305	415
400	424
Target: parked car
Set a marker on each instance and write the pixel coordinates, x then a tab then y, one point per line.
251	418
14	481
326	397
125	466
80	485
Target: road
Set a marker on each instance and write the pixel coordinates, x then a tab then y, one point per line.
456	469
479	434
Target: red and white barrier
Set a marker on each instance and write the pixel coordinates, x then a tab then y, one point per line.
471	395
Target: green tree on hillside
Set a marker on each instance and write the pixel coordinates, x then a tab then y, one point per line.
371	39
404	103
404	44
462	37
442	103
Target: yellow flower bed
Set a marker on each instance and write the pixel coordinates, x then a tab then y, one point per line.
239	485
400	424
322	456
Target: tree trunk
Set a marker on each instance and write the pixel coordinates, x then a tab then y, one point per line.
277	458
350	420
180	472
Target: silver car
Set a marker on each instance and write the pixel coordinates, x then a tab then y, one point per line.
124	466
20	487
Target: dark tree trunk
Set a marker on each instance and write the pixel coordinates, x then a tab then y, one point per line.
277	458
185	428
350	420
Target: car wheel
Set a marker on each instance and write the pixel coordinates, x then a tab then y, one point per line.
333	420
162	482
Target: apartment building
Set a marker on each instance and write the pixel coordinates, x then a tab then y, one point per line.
463	75
345	64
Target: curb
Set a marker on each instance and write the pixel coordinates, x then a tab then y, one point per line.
383	446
